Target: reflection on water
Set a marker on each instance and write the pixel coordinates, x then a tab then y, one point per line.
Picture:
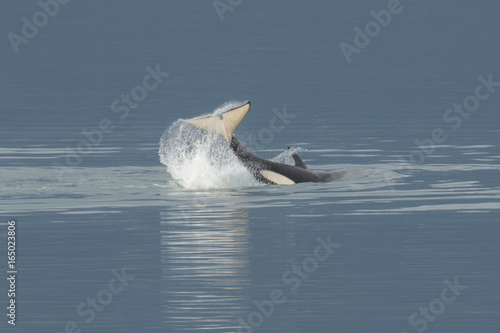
204	256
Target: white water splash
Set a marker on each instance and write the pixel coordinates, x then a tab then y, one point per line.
197	159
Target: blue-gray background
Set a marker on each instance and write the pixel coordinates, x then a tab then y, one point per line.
201	257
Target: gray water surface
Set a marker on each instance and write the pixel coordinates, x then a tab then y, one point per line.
109	241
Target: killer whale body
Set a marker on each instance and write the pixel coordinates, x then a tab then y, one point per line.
266	171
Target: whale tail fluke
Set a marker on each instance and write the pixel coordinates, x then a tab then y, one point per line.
224	123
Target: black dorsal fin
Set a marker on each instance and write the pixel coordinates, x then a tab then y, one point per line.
298	161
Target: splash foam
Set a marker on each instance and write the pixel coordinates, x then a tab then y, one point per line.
198	159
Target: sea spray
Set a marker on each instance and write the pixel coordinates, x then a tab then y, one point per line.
197	159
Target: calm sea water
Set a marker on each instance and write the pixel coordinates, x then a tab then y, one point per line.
129	222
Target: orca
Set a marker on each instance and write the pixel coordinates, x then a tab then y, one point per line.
265	171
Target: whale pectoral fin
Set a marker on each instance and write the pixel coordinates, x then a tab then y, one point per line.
276	178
